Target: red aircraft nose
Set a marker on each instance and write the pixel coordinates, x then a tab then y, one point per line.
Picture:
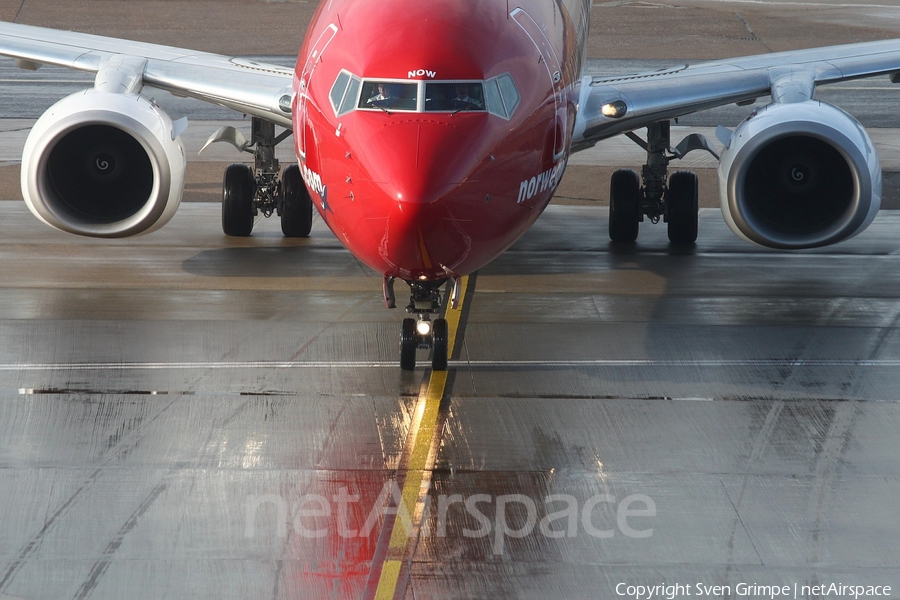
418	171
420	159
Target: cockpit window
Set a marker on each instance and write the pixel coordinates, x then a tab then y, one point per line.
501	95
492	98
389	95
454	96
350	97
497	95
338	89
344	92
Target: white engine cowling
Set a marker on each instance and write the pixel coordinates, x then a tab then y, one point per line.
103	165
799	175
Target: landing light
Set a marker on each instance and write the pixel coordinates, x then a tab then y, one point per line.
284	103
614	110
423	327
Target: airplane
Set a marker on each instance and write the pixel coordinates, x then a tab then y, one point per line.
431	135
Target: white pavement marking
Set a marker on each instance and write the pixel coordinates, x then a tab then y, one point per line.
159	366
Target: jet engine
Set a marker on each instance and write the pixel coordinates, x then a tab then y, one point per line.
799	175
104	164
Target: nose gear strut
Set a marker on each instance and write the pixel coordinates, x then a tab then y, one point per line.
421	333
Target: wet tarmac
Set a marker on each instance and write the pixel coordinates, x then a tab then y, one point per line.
185	415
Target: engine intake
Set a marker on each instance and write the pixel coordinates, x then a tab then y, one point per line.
799	175
103	165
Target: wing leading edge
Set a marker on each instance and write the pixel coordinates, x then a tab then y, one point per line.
257	89
678	91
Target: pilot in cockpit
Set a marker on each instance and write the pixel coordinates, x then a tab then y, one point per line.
463	100
384	94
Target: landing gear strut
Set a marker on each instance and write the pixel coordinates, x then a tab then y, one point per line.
632	196
421	333
262	189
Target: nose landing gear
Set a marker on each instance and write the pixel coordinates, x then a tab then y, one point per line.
422	333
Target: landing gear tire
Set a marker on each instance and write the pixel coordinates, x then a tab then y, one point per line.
296	210
624	205
682	207
238	190
408	345
439	345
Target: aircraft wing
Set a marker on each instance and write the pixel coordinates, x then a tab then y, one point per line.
253	88
681	90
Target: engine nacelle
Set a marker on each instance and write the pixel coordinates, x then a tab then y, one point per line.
799	175
103	165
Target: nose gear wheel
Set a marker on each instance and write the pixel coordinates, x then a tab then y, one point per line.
425	300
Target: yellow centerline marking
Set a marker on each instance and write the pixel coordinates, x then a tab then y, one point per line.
413	490
421	461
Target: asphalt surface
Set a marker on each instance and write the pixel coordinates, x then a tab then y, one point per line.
185	415
178	410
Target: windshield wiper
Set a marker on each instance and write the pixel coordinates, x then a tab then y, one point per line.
379	107
466	106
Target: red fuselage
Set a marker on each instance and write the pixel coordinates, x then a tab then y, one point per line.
431	135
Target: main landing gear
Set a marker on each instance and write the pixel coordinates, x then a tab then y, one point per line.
631	196
421	333
248	191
